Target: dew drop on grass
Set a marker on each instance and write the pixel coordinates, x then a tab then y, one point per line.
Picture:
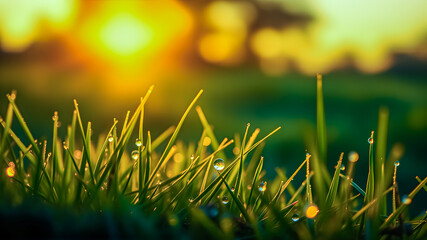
138	142
232	189
262	186
406	200
135	155
110	138
397	163
342	167
225	200
219	164
311	211
370	140
295	217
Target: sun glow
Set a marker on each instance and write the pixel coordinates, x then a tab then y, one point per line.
125	34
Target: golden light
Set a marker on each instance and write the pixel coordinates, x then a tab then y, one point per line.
230	16
369	38
207	141
178	157
221	47
125	34
311	211
229	23
134	32
267	43
22	22
10	171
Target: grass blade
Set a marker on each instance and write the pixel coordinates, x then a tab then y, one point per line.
330	198
172	140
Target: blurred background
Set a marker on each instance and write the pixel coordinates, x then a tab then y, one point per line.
256	61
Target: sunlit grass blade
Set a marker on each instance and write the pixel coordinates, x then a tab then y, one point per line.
209	131
241	163
11	97
371	177
402	207
419	181
282	175
255	179
237	201
359	189
213	184
102	150
145	173
298	192
309	193
119	147
125	123
330	198
6	127
232	164
289	180
54	142
128	179
172	139
369	205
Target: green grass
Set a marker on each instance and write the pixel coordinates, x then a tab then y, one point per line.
144	185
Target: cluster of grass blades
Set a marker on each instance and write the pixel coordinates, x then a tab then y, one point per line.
125	186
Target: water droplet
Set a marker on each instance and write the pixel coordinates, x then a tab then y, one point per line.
219	164
311	211
342	167
233	189
138	142
397	163
353	156
406	200
190	200
225	200
370	140
207	141
110	138
295	217
262	186
135	155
